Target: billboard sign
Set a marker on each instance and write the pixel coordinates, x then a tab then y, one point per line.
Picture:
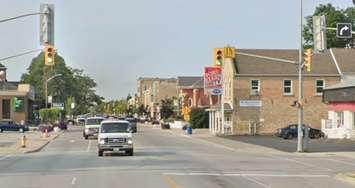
213	81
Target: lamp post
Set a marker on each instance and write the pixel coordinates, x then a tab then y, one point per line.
46	87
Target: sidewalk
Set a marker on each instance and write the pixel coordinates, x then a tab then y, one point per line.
35	142
235	145
205	136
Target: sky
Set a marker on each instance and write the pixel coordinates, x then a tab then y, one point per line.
117	41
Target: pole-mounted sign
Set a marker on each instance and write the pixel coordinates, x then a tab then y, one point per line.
46	35
344	30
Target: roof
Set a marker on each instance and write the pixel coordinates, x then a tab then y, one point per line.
346	83
9	85
114	121
323	63
190	82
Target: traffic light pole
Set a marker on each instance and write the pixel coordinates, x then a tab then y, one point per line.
300	85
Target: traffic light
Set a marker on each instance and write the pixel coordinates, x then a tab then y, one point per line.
308	59
218	57
49	54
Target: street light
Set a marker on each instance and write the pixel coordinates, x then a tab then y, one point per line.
46	87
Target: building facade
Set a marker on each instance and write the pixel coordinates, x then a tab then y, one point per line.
259	93
152	90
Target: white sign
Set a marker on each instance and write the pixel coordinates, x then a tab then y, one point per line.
72	105
50	99
250	103
58	105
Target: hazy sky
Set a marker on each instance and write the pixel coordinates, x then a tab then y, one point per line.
117	41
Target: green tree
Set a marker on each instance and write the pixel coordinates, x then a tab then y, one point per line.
73	83
333	16
167	108
199	118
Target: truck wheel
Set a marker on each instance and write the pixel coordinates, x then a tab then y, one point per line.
289	136
130	152
100	153
86	137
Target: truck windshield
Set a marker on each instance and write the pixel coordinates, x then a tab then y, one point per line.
93	121
115	128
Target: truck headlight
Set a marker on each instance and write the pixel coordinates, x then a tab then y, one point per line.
129	141
102	141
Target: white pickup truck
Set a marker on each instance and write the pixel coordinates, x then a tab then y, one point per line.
115	136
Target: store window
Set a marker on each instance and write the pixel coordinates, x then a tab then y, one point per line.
340	119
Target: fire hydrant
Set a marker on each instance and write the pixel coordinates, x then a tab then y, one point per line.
23	141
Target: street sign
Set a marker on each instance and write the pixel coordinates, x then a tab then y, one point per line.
46	30
213	81
58	105
250	103
344	30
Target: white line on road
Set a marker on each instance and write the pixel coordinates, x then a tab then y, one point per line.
256	181
89	146
304	163
248	175
73	181
4	157
342	162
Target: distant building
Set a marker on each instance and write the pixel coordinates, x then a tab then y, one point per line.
152	90
259	93
16	100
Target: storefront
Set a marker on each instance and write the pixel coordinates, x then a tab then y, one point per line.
340	99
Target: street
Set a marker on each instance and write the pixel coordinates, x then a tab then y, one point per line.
164	159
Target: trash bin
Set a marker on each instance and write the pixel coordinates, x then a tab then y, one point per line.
189	130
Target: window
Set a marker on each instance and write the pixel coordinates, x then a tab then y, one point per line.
6	109
255	87
340	119
319	87
288	87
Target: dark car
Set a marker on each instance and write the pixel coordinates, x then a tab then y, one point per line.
132	124
291	131
155	122
11	126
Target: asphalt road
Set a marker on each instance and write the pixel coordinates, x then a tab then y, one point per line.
163	159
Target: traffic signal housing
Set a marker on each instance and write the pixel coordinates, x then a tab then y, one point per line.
218	57
308	56
49	55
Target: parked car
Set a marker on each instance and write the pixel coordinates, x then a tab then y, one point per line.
291	131
132	124
115	136
11	126
155	122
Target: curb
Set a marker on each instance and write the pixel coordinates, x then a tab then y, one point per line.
347	177
42	146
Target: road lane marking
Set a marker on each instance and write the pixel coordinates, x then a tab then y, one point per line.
89	146
4	157
304	163
172	183
342	162
73	181
248	175
256	181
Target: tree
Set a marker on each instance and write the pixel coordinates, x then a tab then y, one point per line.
199	118
333	16
167	108
73	83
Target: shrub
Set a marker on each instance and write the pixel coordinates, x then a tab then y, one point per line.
198	118
50	114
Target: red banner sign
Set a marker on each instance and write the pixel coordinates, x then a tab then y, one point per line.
213	81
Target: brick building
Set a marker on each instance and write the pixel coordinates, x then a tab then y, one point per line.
258	93
152	90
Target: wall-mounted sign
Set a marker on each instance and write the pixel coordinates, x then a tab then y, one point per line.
213	81
250	103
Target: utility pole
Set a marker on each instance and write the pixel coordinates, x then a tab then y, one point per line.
300	85
46	86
